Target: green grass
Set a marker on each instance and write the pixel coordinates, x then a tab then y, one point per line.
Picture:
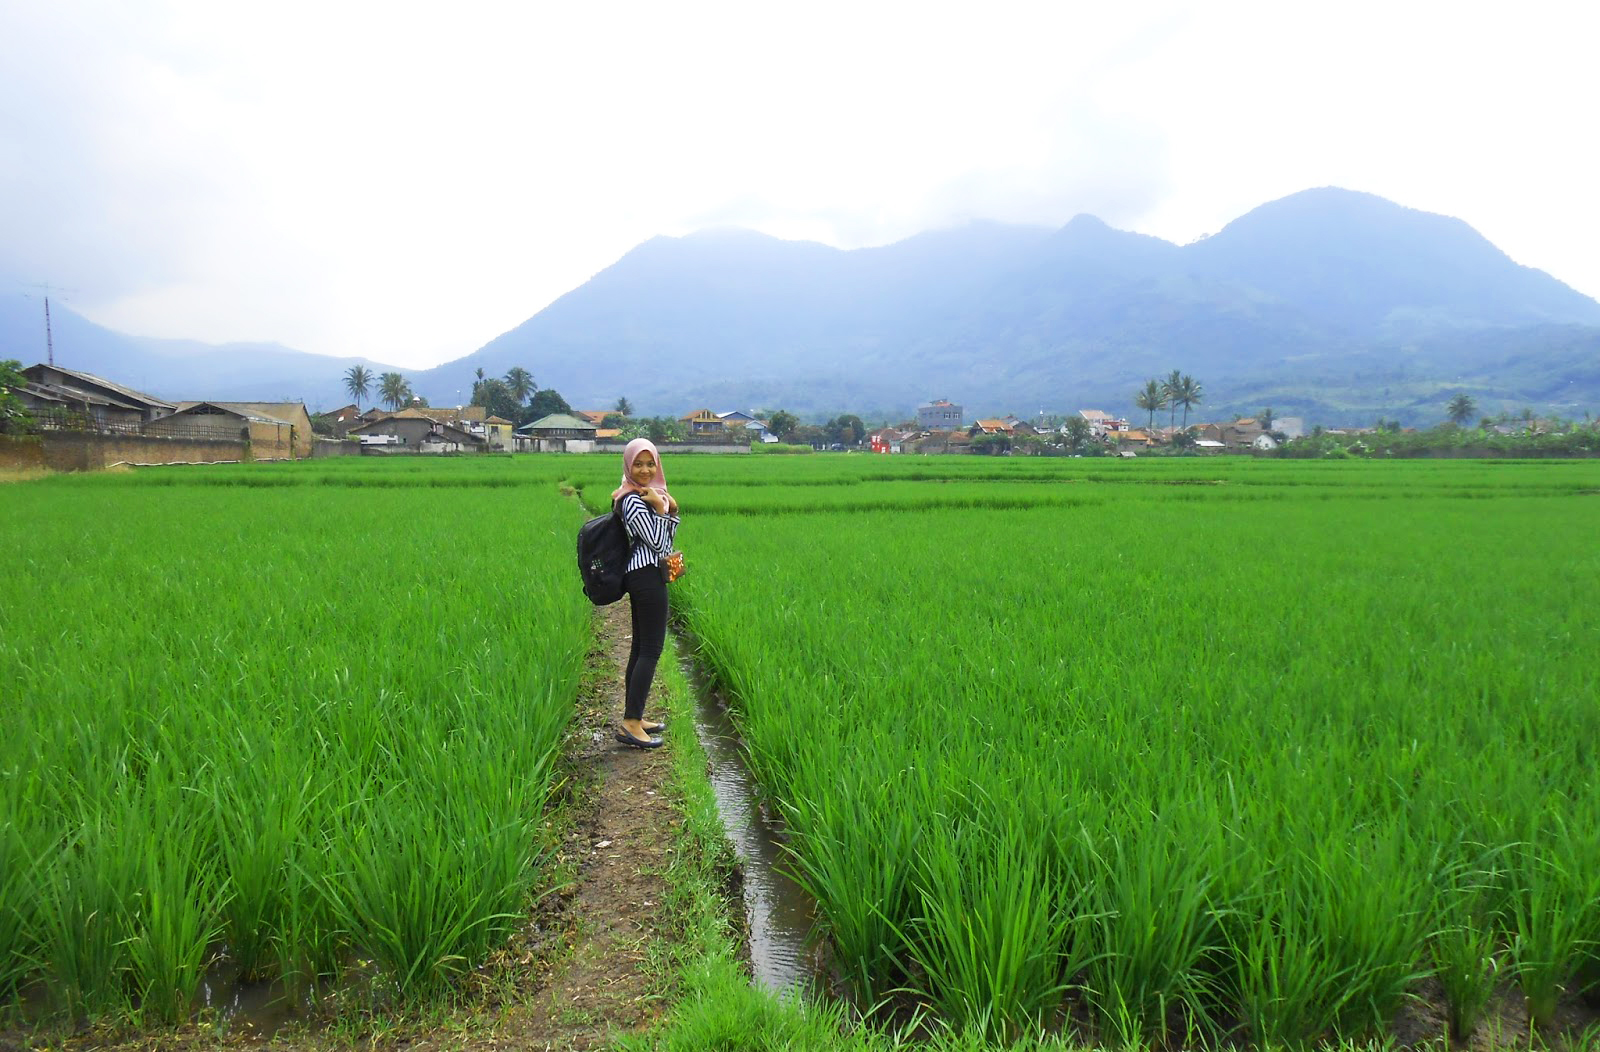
292	725
1246	714
1220	749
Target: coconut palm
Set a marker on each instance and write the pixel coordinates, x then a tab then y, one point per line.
520	383
1188	395
1151	398
1169	391
358	381
1461	408
393	390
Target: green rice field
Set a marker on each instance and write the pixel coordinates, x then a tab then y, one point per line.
299	719
1187	750
1195	749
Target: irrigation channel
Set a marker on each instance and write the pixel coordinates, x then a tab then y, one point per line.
778	914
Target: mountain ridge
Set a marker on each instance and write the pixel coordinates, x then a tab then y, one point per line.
1342	301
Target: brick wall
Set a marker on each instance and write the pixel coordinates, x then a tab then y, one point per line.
87	451
323	447
21	453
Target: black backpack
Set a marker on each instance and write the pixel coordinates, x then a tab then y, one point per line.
603	548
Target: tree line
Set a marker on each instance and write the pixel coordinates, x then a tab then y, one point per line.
1178	389
516	397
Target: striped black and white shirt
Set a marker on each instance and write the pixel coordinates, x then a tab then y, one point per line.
652	535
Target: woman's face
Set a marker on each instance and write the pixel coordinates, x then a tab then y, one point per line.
643	471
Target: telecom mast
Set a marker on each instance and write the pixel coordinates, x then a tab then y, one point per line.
49	337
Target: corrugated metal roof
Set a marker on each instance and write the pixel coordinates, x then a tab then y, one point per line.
64	395
126	392
270	410
558	420
78	396
238	409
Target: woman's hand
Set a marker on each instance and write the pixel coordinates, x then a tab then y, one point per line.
656	499
672	505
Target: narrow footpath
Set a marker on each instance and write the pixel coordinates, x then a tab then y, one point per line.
615	909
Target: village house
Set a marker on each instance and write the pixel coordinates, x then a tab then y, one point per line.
269	437
939	415
1238	436
414	430
1131	440
457	417
340	421
990	427
756	429
702	422
938	442
447	438
61	397
886	440
557	433
597	417
500	434
474	420
291	414
1102	424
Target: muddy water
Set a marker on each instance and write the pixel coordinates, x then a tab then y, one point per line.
779	915
245	1007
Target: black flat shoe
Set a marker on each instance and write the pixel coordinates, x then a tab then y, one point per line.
639	743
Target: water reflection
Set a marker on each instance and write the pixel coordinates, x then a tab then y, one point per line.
778	913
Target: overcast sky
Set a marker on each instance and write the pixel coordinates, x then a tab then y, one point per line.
406	181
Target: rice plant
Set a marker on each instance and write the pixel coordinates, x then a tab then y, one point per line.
284	716
1252	726
995	938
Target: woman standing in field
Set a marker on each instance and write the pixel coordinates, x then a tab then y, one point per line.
650	515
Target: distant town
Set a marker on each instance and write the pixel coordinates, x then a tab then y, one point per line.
74	420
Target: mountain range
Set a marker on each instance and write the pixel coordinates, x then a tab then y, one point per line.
1329	304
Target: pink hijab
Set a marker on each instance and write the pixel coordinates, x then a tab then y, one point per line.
633	449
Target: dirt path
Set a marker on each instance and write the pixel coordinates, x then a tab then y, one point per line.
615	909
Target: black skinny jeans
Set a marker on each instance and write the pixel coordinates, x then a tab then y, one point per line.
647	595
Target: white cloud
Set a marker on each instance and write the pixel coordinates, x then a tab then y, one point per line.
407	182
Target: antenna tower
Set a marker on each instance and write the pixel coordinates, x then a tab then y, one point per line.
49	337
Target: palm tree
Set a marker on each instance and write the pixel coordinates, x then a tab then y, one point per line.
1189	395
624	407
1169	391
520	383
393	390
1461	408
358	381
1151	398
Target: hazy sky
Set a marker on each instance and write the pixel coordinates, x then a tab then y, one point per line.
406	181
